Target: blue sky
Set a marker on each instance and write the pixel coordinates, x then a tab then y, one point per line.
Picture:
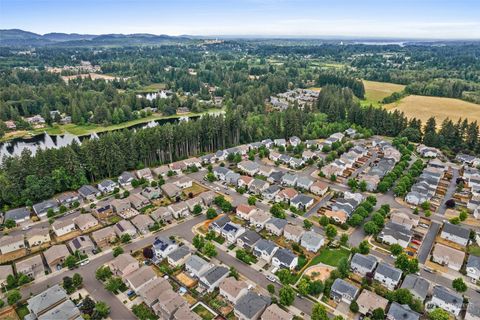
354	18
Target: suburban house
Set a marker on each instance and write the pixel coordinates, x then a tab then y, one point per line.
284	258
448	256
302	202
184	182
294	141
183	312
401	312
280	142
191	203
11	243
178	256
286	195
82	244
363	264
88	192
162	214
304	182
145	173
447	300
293	232
368	301
289	179
387	275
276	177
270	193
138	201
250	306
67	198
232	289
63	227
18	215
418	286
343	291
248	167
104	237
473	311
151	193
196	266
163	246
142	222
126	178
125	227
339	216
319	188
220	172
171	190
140	277
123	265
178	167
212	278
394	233
103	210
244	182
152	290
473	267
85	222
258	186
455	233
231	231
248	239
121	205
50	303
219	222
37	236
179	209
31	266
259	218
245	211
276	226
312	241
169	302
41	209
231	178
55	256
265	249
274	312
107	186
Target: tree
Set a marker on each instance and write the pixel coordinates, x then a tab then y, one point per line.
354	306
13	296
209	250
362	186
114	284
463	215
316	287
285	276
319	312
23	279
88	306
324	221
117	251
103	273
271	288
459	285
364	247
450	203
330	232
406	264
102	309
70	262
307	225
252	200
378	314
198	242
197	209
211	213
396	249
233	272
303	286
277	211
148	253
77	280
439	314
287	296
355	220
125	238
344	239
68	284
371	228
343	267
9	223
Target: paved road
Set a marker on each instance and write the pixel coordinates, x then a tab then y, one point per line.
450	191
428	241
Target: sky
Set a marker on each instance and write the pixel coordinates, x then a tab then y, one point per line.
426	19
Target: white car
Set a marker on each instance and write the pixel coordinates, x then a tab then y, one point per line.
27	227
271	278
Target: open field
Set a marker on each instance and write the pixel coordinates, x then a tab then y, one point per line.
422	107
154	87
376	91
330	257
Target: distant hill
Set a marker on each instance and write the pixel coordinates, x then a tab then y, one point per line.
17	37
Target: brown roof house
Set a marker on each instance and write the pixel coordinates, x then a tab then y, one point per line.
232	289
171	190
162	214
82	244
274	312
5	270
368	301
125	227
145	173
184	313
104	237
293	232
140	277
448	256
138	201
85	222
63	227
55	256
152	290
37	236
319	188
179	210
32	266
168	303
143	222
123	265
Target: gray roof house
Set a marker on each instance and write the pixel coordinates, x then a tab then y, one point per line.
401	312
178	256
304	182
248	239
196	266
284	258
232	177
65	310
88	192
289	179
276	225
363	264
302	202
387	275
107	186
212	278
264	249
251	305
419	287
41	303
271	192
473	311
126	178
473	267
343	291
18	215
455	233
447	300
312	241
41	209
218	224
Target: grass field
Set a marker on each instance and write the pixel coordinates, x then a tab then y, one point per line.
422	107
203	312
330	257
376	91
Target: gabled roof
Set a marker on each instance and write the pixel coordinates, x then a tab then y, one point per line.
285	256
418	285
17	214
456	230
401	312
342	287
214	274
447	296
162	243
265	245
179	253
473	262
46	299
302	199
388	271
278	223
365	261
250	237
196	263
251	303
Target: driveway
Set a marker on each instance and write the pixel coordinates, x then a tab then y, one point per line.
427	242
450	191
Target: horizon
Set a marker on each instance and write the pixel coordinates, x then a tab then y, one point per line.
421	20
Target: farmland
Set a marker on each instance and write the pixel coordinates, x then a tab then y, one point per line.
376	91
423	107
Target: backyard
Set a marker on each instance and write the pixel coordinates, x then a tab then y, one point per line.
330	257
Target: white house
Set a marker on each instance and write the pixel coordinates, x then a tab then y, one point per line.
387	275
447	300
62	227
473	267
455	233
265	249
284	258
312	241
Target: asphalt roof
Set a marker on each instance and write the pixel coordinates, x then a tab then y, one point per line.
366	261
416	284
343	287
388	271
448	296
401	312
456	230
179	253
251	303
285	256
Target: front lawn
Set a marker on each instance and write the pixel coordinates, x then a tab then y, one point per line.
330	257
22	311
475	250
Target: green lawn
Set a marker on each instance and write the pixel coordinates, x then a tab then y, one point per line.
22	311
330	257
203	312
475	250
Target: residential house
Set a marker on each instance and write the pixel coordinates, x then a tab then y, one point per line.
67	198
107	186
351	132
193	162
231	178
387	275
244	182
55	256
258	186
259	218
394	233
123	265
404	219
31	266
473	267
145	173
168	303
245	211
126	178
312	241
307	155
319	188
473	311
171	190
363	264
448	256
162	214
250	306
280	142
455	233
125	227
43	303
265	171
193	202
343	291
302	202
276	177
232	289
270	193
286	195
63	227
293	232
179	256
178	167
368	301
184	182
152	290
138	201
82	244
268	143
37	236
219	222
248	239
137	279
196	266
284	258
85	222
248	167
294	141
184	313
163	246
265	249
179	210
289	179
276	226
231	231
447	300
339	216
104	237
18	215
212	278
143	223
274	312
220	172
304	182
161	171
41	209
401	312
121	205
419	287
5	271
274	156
103	210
